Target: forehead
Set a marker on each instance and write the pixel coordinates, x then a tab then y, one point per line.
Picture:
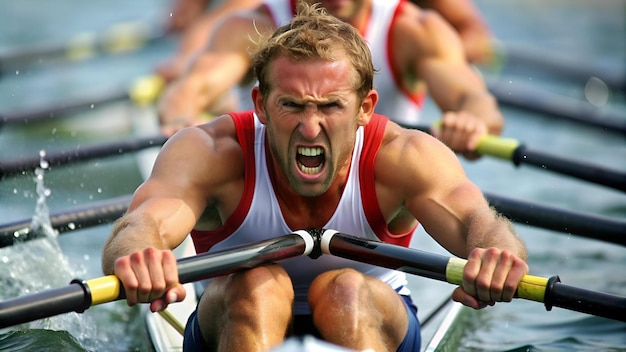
313	77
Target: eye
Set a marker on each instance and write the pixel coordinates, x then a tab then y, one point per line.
330	106
292	105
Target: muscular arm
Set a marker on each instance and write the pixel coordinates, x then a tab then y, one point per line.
436	57
453	210
213	73
196	168
467	20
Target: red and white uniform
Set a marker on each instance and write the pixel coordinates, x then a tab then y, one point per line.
258	216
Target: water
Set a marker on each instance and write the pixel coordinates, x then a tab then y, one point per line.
591	31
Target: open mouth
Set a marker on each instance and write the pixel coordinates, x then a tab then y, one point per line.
310	159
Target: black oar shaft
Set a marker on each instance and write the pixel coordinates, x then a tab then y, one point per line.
17	166
584	171
25	117
244	257
79	296
528	98
71	298
95	214
566	221
586	301
442	268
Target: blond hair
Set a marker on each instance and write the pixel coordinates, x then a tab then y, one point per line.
314	34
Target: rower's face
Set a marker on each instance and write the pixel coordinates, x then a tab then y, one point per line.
312	113
345	10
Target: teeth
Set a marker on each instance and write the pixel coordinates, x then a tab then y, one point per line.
310	170
306	151
310	151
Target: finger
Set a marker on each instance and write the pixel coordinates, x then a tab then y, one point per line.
518	270
498	291
485	277
154	263
471	271
459	295
123	270
144	285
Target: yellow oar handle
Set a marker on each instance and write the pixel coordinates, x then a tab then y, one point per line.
146	90
104	289
120	38
531	287
503	148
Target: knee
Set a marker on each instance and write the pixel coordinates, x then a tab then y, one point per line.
336	291
263	284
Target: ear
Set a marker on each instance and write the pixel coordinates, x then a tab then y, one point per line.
257	100
367	107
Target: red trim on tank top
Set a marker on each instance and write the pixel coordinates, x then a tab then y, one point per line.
205	239
372	139
416	98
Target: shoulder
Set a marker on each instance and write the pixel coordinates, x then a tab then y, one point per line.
242	27
425	29
211	143
418	159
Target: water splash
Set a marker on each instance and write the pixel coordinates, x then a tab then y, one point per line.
39	264
40	223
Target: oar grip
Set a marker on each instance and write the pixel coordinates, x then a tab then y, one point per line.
105	289
146	90
503	148
530	287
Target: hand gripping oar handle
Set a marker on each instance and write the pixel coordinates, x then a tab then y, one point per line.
80	295
549	291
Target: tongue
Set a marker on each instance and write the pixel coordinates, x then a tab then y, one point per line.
310	161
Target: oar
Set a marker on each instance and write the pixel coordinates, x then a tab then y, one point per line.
98	213
568	67
17	166
550	291
143	91
584	225
522	96
516	152
80	295
117	39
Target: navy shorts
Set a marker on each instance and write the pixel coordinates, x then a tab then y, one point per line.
303	325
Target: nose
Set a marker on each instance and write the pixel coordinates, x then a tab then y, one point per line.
309	125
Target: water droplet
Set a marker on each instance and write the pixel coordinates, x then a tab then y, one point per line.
17	72
99	190
597	92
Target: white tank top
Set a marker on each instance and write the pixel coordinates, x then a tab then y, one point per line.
264	220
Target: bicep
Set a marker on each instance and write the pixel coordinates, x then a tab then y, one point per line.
174	195
442	64
441	197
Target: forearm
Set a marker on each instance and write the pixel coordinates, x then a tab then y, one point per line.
484	106
130	233
488	229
